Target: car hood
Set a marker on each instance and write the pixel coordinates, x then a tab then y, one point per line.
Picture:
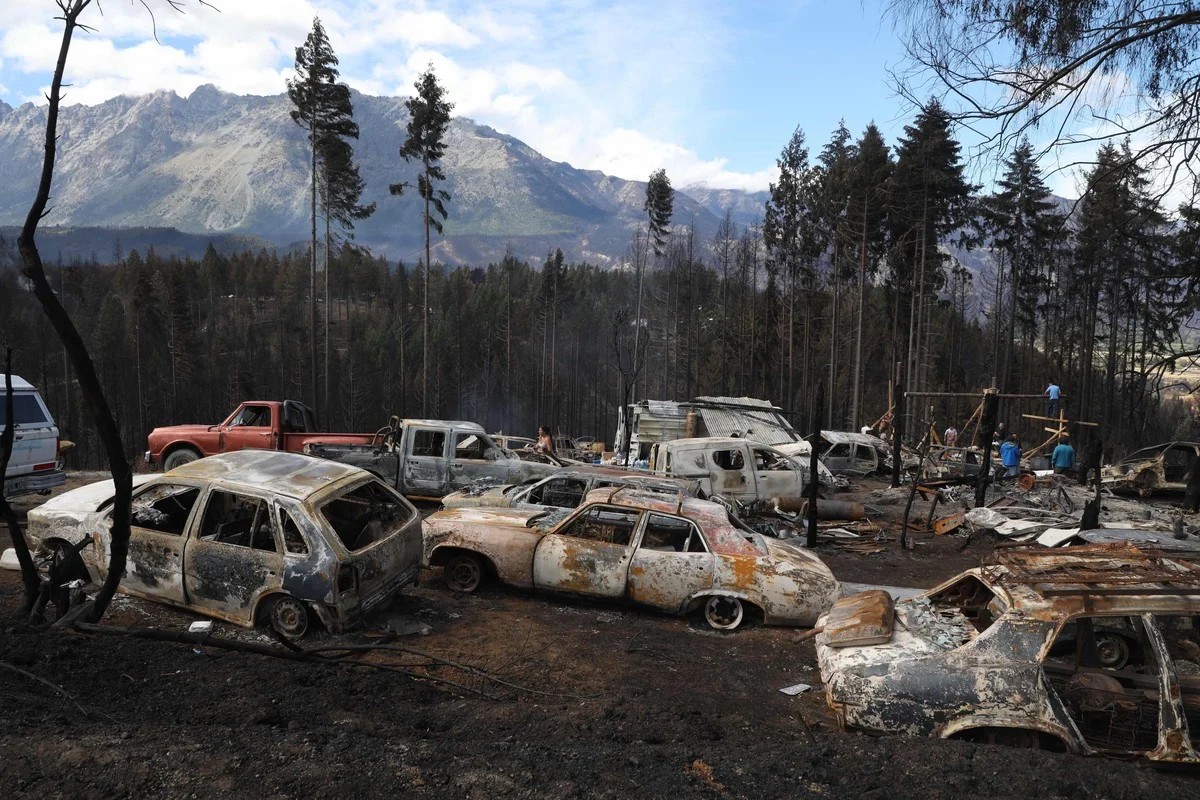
55	517
182	430
491	497
919	631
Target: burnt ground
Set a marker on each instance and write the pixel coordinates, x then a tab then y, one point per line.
613	703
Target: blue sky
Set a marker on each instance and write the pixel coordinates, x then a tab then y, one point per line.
709	89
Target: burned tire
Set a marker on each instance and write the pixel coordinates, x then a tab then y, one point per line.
723	613
184	455
463	573
1112	650
287	616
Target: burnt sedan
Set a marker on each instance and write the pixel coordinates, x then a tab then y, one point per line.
1092	649
254	537
564	489
675	554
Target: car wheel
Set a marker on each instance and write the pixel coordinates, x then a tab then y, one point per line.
288	617
723	613
180	457
1113	650
463	573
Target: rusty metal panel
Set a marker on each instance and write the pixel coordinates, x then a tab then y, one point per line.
864	618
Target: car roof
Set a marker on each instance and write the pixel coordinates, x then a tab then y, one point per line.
1108	578
713	518
288	474
19	384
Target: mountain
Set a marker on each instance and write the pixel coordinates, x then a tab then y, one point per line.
234	165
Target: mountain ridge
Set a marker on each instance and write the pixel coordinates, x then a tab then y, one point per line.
237	166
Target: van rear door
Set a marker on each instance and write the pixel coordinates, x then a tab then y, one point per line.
35	436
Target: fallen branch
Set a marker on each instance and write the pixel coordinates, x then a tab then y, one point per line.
65	694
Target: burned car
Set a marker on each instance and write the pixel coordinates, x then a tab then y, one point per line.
1164	467
254	536
1091	649
565	489
675	554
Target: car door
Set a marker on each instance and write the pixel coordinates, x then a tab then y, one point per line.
473	456
839	458
249	428
232	556
775	474
161	518
1178	463
588	553
670	565
731	476
865	459
425	463
35	437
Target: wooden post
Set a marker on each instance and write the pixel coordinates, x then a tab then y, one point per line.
814	474
991	404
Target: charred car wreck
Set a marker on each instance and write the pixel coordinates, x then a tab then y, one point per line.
1164	467
675	554
1095	649
252	537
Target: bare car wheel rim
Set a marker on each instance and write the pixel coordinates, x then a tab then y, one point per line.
289	617
463	574
1113	651
723	613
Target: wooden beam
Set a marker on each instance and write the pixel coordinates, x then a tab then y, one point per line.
1060	420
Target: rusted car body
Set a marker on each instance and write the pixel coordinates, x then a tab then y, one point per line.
256	536
1090	649
1164	467
675	554
564	489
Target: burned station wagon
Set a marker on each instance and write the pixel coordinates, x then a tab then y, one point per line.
676	554
258	536
1092	649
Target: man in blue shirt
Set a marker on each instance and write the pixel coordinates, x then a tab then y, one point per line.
1010	456
1062	460
1052	394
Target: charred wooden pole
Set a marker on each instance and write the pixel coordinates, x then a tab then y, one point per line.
898	427
814	474
29	576
85	371
987	427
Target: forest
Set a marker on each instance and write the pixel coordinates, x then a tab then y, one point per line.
846	284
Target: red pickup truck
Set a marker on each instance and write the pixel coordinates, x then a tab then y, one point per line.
260	424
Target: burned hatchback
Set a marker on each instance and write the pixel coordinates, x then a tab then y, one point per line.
264	537
1091	649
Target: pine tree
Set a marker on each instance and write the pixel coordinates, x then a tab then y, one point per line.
870	186
428	120
793	239
930	198
1024	225
323	109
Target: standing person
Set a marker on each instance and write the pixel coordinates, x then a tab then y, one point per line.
1062	460
1052	394
1010	456
545	442
950	437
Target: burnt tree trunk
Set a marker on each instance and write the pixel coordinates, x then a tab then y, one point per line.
85	371
29	576
814	474
987	427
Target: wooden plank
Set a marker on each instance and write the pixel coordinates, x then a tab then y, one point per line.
1060	420
948	523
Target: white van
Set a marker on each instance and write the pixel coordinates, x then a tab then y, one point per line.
34	466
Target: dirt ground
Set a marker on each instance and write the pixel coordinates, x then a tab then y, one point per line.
598	701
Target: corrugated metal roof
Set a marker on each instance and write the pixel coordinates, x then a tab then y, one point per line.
762	427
